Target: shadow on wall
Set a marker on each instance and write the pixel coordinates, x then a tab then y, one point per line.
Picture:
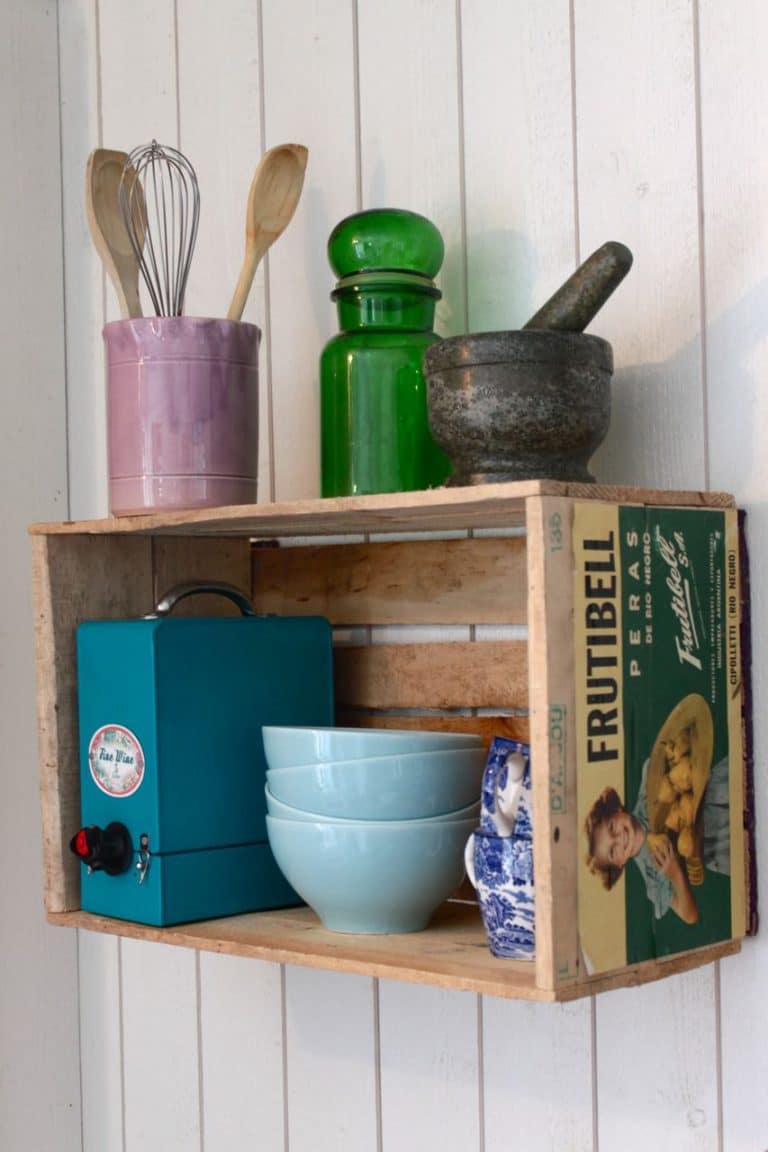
502	275
658	433
661	420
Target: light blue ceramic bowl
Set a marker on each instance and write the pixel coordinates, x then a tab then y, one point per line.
284	746
276	807
409	786
372	877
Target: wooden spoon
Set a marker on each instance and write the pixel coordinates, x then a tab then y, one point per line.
108	231
274	194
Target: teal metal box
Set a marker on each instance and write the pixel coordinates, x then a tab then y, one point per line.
172	764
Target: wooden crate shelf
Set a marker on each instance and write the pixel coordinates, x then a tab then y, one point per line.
451	953
500	681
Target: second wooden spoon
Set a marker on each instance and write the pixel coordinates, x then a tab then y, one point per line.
108	231
274	194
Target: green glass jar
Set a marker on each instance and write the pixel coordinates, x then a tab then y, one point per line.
375	434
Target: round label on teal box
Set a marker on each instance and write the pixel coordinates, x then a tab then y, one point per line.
116	760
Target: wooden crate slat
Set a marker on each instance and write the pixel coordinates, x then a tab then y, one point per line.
451	953
481	506
467	581
553	743
511	727
177	559
489	674
74	579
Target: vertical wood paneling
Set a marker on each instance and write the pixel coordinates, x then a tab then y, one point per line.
488	82
735	185
538	1076
85	286
138	84
220	132
220	108
429	1068
657	1066
521	243
241	1036
409	127
518	148
637	183
101	1042
309	98
635	101
410	157
138	80
85	289
160	1048
39	1072
331	1062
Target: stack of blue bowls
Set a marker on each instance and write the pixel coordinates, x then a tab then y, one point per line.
369	825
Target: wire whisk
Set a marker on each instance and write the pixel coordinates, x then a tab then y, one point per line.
160	203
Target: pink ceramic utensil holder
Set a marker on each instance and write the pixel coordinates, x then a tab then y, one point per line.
183	413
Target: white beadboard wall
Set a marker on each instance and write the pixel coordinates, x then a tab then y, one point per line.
530	133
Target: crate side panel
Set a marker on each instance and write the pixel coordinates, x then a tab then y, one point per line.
553	739
75	578
481	581
441	675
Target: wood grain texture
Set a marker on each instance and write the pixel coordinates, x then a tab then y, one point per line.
553	741
451	953
416	582
178	559
513	727
483	506
74	580
443	675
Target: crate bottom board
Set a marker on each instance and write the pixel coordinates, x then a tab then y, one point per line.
451	953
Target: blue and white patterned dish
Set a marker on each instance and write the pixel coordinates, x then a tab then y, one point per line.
501	870
506	808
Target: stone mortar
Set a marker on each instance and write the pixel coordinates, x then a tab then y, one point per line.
519	405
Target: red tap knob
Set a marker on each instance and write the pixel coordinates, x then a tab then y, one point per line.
108	849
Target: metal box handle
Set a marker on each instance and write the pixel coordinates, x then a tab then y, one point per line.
168	602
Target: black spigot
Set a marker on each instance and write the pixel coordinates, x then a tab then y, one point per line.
104	849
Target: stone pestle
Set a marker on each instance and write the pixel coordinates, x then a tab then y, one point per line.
583	294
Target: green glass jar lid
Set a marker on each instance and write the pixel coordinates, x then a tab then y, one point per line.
386	239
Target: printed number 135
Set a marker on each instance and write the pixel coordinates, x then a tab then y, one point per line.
555	532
